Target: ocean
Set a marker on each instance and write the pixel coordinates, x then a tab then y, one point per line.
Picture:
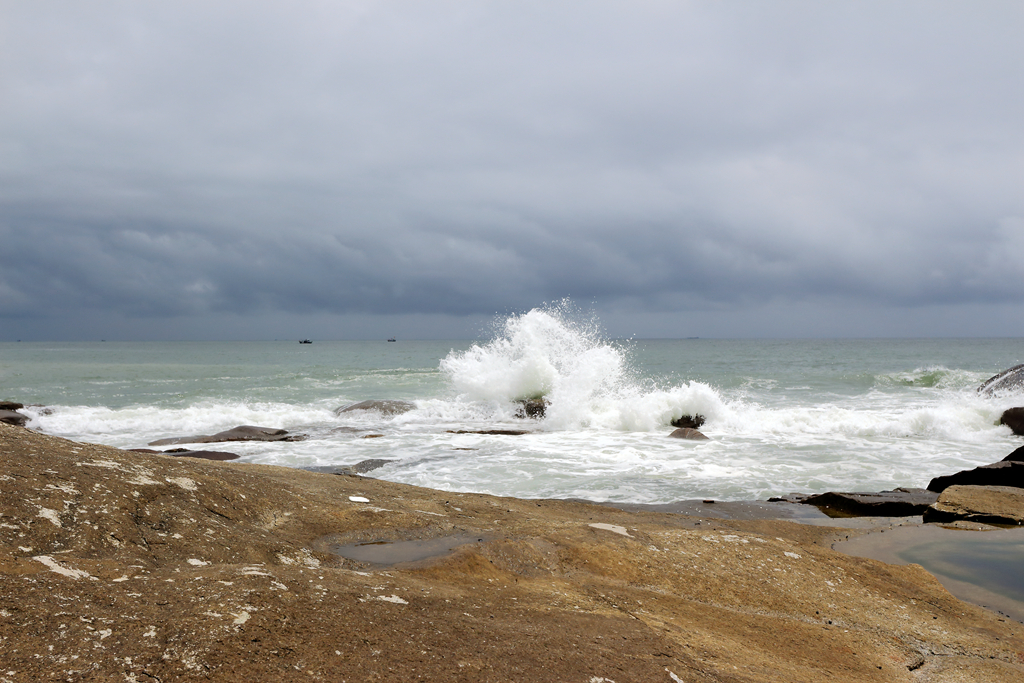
781	415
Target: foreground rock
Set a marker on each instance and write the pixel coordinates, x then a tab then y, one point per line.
131	566
382	407
1014	419
187	453
984	504
1007	380
531	407
901	502
243	433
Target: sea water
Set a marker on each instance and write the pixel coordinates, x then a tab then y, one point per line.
781	415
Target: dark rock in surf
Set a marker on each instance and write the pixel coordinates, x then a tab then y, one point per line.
186	453
384	407
1007	380
899	502
531	407
1014	419
11	405
13	417
492	432
243	433
688	433
983	504
1016	456
688	422
1003	473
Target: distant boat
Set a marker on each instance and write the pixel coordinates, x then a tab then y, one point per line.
305	341
392	339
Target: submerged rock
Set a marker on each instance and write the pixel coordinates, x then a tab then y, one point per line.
492	432
689	421
1007	380
688	433
242	433
900	502
531	407
384	407
984	504
1014	419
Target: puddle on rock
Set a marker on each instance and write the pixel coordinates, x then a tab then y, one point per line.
982	567
397	552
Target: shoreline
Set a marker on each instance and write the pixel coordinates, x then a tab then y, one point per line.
120	565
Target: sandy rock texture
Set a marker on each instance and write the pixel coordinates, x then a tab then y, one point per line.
137	567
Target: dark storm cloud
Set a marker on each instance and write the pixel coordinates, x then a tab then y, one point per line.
178	160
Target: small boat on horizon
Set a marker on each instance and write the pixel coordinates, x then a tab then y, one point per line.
392	339
305	341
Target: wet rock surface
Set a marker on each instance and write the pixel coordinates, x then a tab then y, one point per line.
242	433
983	504
13	417
534	408
135	566
1007	380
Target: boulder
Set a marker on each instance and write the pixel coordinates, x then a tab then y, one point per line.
1007	380
11	405
984	504
1014	419
1003	473
688	433
243	433
360	467
689	421
901	502
531	407
384	407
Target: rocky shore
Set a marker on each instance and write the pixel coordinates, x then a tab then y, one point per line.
143	567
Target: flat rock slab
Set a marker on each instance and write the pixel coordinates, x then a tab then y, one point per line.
896	503
243	433
983	504
490	432
1003	473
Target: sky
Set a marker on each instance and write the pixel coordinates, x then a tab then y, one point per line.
352	170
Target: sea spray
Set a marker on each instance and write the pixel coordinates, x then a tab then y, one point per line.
559	355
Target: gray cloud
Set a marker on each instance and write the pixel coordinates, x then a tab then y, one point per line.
177	161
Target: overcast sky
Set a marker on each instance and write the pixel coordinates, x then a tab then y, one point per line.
331	169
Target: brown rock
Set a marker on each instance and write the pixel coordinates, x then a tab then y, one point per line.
11	405
1014	419
688	433
122	566
984	504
